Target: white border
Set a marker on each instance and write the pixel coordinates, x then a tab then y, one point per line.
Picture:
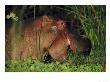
56	2
53	77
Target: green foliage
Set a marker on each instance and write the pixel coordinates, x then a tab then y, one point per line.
91	19
36	66
92	63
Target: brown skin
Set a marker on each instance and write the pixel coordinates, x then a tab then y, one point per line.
28	43
37	37
78	44
58	50
43	23
54	37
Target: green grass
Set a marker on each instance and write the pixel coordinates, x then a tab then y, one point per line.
36	66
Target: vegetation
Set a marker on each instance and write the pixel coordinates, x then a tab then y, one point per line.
90	21
30	65
93	63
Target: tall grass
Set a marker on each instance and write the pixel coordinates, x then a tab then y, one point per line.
92	19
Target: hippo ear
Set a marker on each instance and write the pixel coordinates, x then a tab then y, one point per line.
46	21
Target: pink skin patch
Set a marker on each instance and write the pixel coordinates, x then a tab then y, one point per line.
68	41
